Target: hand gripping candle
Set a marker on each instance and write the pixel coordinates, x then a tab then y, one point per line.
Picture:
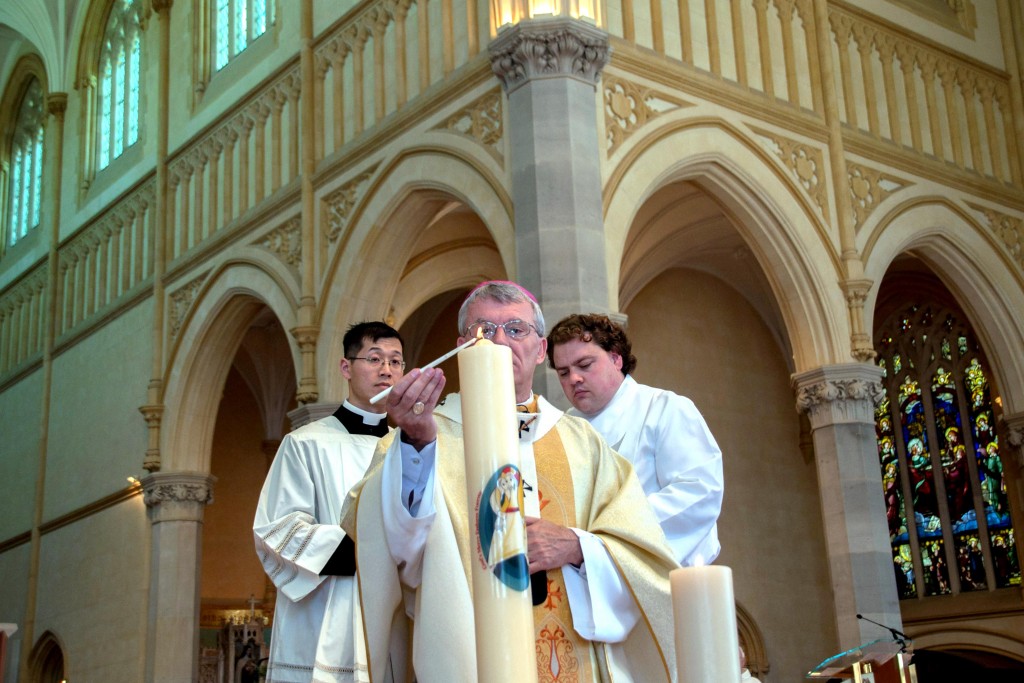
502	605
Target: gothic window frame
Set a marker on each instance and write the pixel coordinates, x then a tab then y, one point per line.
206	68
110	27
906	477
29	70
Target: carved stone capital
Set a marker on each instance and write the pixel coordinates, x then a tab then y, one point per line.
856	290
546	48
152	414
57	104
306	336
177	496
835	394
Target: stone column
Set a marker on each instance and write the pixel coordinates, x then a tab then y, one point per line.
550	68
175	502
840	402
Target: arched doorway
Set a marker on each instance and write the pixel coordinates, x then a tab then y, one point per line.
46	663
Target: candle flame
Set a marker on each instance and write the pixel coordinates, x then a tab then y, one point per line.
698	560
479	333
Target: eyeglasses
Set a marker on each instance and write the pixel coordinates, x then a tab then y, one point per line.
376	361
514	329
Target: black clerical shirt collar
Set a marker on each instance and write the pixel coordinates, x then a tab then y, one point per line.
359	421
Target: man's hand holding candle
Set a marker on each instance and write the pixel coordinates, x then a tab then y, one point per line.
411	404
551	546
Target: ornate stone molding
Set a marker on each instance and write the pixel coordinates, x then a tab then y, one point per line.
338	204
1007	228
306	336
57	104
181	302
544	48
481	121
868	188
835	394
856	291
285	242
628	107
177	496
153	415
805	163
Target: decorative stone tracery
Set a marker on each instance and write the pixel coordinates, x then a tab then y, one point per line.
481	121
181	302
868	188
629	106
805	162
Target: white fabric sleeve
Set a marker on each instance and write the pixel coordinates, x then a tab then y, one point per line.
602	607
407	471
291	543
689	470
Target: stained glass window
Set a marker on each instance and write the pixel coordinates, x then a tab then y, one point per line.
236	23
942	475
120	82
26	165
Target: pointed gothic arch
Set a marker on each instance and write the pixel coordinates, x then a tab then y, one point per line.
376	273
764	206
46	661
202	352
25	94
961	254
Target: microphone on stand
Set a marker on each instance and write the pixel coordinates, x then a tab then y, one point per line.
898	636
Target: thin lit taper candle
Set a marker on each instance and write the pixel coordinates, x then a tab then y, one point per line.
438	361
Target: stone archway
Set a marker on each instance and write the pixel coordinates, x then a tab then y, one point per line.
46	662
225	305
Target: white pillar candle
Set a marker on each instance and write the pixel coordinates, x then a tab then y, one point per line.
707	643
502	603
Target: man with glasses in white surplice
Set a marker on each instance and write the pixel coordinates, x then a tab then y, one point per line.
317	632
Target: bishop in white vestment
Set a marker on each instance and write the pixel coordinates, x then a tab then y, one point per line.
605	611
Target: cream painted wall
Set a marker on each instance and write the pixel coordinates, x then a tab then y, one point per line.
986	14
19	454
95	596
695	335
230	569
99	376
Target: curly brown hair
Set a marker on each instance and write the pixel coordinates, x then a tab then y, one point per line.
593	327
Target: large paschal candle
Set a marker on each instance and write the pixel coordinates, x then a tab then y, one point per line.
707	643
502	604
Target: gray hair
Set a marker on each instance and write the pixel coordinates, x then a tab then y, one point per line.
503	292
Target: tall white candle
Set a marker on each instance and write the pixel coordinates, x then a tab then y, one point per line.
707	643
502	603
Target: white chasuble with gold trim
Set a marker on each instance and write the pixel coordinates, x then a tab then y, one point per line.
620	596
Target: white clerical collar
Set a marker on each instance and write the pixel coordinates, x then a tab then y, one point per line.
368	417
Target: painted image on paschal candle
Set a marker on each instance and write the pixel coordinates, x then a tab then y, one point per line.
501	528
